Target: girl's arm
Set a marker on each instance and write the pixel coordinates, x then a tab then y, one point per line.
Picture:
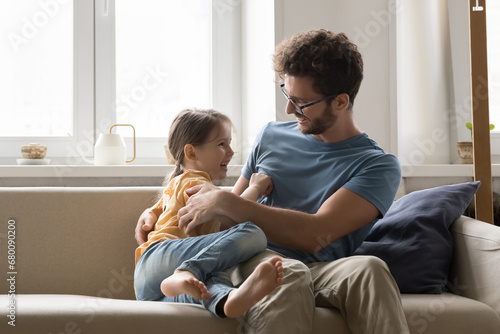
259	185
241	185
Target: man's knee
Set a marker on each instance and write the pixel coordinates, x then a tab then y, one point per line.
296	269
374	271
297	279
374	265
293	301
353	270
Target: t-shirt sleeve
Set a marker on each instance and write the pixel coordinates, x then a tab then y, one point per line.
190	180
157	209
378	181
250	166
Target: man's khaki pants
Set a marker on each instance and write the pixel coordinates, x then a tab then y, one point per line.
360	287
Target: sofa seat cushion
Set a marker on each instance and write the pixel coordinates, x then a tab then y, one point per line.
429	314
85	314
448	313
46	313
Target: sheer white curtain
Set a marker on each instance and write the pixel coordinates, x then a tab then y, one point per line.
425	82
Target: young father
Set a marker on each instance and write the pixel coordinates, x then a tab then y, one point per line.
331	184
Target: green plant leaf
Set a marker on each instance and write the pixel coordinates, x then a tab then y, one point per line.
492	126
468	125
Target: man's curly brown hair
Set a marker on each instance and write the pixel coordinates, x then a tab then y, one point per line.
332	60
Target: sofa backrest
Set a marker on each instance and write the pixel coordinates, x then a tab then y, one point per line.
80	240
72	240
475	269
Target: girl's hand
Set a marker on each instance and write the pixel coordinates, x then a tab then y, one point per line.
145	224
263	183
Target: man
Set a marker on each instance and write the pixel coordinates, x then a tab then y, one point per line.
331	183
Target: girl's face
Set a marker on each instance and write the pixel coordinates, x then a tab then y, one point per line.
214	155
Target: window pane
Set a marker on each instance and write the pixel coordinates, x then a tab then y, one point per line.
36	81
493	27
163	53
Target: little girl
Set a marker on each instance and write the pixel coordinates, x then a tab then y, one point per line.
172	266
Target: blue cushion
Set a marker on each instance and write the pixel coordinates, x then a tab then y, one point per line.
414	239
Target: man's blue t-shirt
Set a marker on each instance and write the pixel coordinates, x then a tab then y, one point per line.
306	172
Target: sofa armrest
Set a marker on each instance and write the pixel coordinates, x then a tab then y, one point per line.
475	269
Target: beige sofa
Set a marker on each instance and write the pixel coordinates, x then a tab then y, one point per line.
72	258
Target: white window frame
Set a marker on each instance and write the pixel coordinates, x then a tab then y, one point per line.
226	89
63	148
94	99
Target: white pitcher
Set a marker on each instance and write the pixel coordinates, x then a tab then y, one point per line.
110	149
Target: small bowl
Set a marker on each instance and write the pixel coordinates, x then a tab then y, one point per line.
34	151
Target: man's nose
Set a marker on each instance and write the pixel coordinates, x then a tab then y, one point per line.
290	109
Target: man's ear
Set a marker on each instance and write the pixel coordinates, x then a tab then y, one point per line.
341	101
189	152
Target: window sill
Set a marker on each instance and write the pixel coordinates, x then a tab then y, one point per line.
76	175
11	171
152	175
94	171
455	170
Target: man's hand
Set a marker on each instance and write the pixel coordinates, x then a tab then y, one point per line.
201	207
145	225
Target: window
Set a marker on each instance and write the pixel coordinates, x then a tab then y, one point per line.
493	38
71	69
493	53
162	61
37	60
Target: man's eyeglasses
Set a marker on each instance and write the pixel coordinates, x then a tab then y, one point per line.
299	109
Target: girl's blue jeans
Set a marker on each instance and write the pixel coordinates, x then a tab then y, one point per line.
206	257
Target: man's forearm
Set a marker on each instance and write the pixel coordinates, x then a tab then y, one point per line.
289	228
252	193
342	213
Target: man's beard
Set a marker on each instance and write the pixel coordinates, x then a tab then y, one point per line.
320	125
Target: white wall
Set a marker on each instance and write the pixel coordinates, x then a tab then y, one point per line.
414	97
364	22
367	24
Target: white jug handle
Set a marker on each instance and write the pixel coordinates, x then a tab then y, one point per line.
111	128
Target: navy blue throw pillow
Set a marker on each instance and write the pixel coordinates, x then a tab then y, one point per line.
414	239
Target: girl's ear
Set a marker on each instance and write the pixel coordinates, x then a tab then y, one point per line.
189	152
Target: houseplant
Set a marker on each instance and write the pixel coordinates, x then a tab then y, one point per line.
465	147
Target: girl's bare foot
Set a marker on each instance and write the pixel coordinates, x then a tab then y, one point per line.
265	278
184	282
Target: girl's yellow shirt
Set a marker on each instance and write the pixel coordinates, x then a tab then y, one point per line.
174	198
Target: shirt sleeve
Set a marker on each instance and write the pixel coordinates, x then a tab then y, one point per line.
378	182
157	209
250	166
189	180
